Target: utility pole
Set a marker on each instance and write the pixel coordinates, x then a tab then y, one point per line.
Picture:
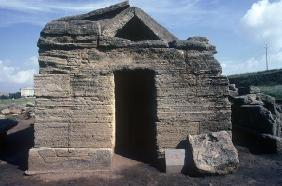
266	56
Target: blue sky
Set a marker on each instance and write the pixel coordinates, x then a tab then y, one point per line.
238	28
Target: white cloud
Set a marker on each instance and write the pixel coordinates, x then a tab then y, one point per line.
35	6
264	23
236	67
52	6
14	75
39	12
252	64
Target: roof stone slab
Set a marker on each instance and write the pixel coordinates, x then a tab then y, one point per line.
101	13
73	27
114	25
118	26
111	27
106	22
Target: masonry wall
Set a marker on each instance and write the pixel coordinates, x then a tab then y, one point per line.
78	106
75	98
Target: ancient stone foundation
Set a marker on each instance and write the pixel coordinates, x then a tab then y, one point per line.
116	69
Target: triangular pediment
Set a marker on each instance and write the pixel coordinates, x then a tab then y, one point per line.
125	22
136	30
134	24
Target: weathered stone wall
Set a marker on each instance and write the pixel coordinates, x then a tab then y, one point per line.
188	101
74	113
75	101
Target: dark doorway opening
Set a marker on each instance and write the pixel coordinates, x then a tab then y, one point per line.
135	96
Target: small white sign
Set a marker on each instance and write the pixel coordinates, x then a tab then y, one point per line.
174	159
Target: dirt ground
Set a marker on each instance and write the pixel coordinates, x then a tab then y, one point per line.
254	169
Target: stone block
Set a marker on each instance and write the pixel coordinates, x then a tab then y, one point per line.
53	114
54	103
255	117
68	43
174	160
215	125
73	27
170	133
52	85
46	160
93	86
91	135
51	135
214	153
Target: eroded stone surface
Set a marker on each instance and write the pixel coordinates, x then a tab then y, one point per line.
214	153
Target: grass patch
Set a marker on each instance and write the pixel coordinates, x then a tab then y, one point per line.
20	101
275	91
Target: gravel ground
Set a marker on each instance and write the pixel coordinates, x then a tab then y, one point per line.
254	169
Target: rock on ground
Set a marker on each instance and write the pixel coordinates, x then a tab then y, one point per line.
5	111
256	120
214	153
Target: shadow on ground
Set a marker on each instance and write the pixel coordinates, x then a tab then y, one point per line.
17	144
254	169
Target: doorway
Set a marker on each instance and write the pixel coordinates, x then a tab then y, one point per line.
135	97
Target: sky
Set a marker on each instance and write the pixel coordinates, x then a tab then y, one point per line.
240	30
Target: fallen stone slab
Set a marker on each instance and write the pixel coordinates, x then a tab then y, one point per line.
174	160
214	153
255	117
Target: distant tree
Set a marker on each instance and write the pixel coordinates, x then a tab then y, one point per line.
4	97
16	95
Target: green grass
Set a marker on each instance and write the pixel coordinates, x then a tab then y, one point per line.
275	91
20	101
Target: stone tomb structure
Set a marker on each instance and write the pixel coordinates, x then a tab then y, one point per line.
115	81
